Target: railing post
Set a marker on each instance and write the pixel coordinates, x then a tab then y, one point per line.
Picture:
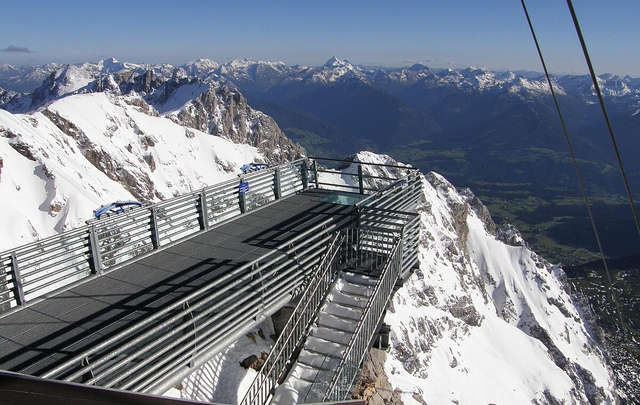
17	280
155	235
305	174
94	254
277	191
315	172
360	179
242	199
204	217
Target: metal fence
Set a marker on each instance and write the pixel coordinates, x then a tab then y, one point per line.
348	369
282	355
30	271
355	177
141	356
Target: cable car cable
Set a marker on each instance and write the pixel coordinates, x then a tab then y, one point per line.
575	165
604	112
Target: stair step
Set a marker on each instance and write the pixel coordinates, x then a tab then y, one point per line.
334	328
319	353
355	288
346	301
334	322
304	372
330	335
318	360
312	366
356	295
319	345
359	279
346	313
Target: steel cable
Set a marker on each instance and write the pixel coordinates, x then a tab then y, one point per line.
575	165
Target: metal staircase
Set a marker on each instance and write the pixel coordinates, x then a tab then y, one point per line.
322	360
327	341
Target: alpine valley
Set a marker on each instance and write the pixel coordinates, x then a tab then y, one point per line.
485	319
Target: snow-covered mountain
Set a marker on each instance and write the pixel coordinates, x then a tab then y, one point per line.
96	133
189	96
24	79
482	321
263	75
486	320
86	150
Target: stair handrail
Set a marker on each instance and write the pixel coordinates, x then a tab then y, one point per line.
358	346
284	349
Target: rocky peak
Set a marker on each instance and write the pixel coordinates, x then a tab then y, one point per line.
67	80
334	62
222	111
110	65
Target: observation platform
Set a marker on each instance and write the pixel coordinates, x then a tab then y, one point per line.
37	338
139	300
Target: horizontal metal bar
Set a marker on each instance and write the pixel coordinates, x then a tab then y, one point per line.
338	185
361	163
43	255
46	242
29	270
28	279
55	281
112	256
168	308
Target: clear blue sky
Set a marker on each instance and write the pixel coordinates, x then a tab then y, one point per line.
438	33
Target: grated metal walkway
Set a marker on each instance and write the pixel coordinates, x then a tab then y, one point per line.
35	339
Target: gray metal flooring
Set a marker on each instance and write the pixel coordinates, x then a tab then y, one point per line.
36	338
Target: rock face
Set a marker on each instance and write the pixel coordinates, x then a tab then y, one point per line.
224	112
486	320
373	385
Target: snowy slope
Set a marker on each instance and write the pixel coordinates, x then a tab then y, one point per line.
89	149
485	322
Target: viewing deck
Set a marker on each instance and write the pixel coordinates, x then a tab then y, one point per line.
138	304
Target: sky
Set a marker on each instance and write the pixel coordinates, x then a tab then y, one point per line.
438	33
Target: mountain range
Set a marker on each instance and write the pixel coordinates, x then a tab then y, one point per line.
485	319
496	132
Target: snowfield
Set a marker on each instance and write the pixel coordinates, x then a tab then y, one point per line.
52	181
484	322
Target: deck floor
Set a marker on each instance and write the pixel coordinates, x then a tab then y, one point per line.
39	336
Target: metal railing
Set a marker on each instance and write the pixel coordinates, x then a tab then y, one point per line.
354	176
405	223
341	385
403	194
50	264
293	334
140	356
30	271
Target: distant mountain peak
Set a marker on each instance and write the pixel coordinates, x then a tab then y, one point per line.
335	62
